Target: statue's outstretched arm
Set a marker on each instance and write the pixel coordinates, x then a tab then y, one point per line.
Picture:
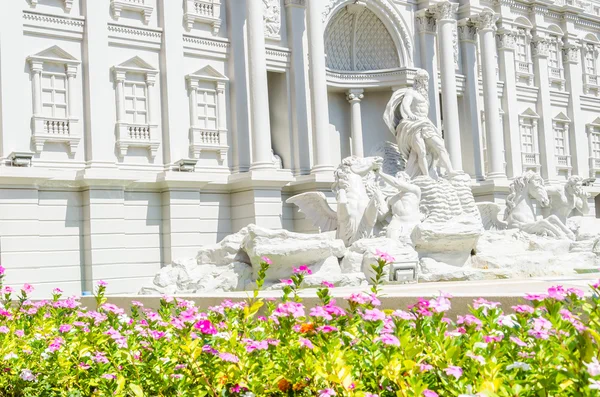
400	185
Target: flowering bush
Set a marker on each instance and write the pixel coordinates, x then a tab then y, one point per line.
282	348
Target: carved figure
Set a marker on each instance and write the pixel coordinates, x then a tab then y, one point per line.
404	206
520	214
357	211
566	198
272	18
419	140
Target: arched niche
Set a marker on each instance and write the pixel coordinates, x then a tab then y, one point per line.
380	25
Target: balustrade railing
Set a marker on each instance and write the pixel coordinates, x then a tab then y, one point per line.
56	127
563	161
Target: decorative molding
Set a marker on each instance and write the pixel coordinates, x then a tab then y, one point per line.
486	20
467	30
444	11
141	6
571	53
296	3
426	22
283	55
47	19
506	39
205	42
540	47
272	19
67	4
131	32
355	95
203	11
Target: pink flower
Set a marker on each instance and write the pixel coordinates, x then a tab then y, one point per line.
57	291
424	367
388	339
252	345
2	270
476	357
7	290
287	282
454	371
109	307
593	367
430	393
327	393
206	327
302	269
27	288
294	309
385	256
20	333
65	328
536	297
517	341
327	284
359	298
404	315
469	319
440	304
306	343
266	260
492	338
230	358
327	329
333	309
523	309
557	292
109	376
373	315
371	395
576	291
137	304
84	366
102	283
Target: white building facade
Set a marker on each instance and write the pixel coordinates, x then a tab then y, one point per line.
134	131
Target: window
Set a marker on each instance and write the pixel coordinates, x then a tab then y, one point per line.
54	95
135	103
521	46
523	65
595	139
590	59
54	91
553	59
208	118
527	143
560	140
207	109
560	126
528	122
135	86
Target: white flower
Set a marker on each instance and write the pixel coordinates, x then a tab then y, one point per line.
258	329
10	356
124	319
480	345
27	375
508	321
519	365
38	336
593	368
595	385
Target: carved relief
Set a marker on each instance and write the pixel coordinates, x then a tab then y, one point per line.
444	10
455	45
272	17
506	39
426	23
486	19
540	47
467	31
570	53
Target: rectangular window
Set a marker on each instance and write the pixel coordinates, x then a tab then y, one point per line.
54	95
521	42
560	140
590	61
135	103
207	109
527	143
553	60
596	143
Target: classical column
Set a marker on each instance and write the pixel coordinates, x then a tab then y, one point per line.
259	94
444	14
467	34
37	68
71	89
120	77
546	147
573	72
486	22
301	131
150	80
193	87
512	135
427	28
318	88
354	96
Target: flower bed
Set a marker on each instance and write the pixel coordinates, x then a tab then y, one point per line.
280	348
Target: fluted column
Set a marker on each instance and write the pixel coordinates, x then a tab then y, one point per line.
259	94
318	88
467	34
427	29
71	74
354	96
444	13
486	22
37	68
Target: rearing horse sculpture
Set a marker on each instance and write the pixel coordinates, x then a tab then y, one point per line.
520	214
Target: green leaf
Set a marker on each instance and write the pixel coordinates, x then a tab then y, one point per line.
137	390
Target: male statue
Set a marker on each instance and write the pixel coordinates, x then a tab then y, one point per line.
419	141
404	206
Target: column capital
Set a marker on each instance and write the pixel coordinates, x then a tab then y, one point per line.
467	30
426	22
444	11
506	39
71	70
295	3
355	95
486	20
540	47
37	66
570	52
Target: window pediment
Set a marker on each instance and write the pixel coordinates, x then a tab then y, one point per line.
54	54
136	65
530	114
207	73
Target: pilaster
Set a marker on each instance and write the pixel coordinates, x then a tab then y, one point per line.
540	52
175	136
512	136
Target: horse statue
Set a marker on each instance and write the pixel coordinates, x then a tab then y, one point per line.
359	205
520	214
564	199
